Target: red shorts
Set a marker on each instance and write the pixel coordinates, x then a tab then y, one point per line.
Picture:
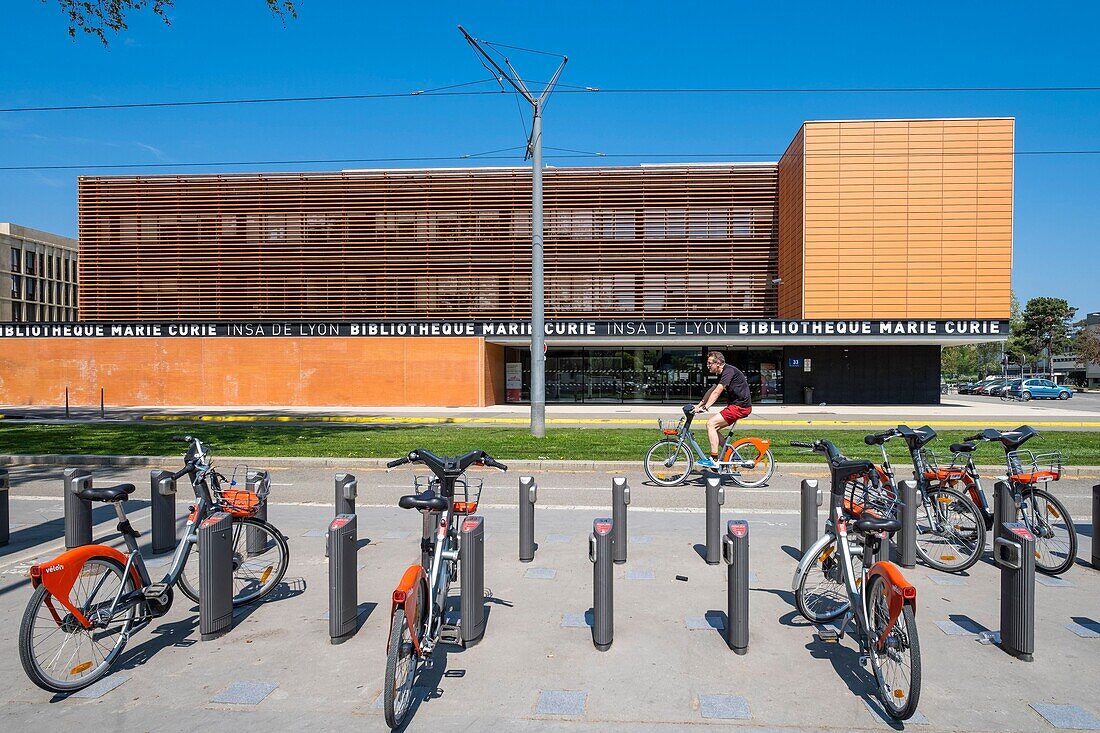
732	413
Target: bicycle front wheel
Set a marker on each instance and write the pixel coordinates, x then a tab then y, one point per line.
260	559
950	531
1055	536
63	656
401	662
895	656
821	594
668	462
751	468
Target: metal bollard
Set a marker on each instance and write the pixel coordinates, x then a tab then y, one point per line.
600	553
471	551
258	482
78	512
620	498
215	575
343	591
1004	511
735	547
811	501
716	497
162	505
528	491
1014	553
1096	526
5	526
346	489
907	536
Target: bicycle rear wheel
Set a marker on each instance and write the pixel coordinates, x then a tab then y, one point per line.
1055	536
668	462
260	559
401	663
950	531
821	594
750	476
66	657
896	663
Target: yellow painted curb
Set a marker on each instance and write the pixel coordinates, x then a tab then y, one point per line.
391	420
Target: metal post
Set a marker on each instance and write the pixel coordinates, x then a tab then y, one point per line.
5	527
471	552
528	491
538	333
258	482
1096	526
1004	510
1014	553
102	415
162	506
811	500
78	512
347	488
736	551
215	575
716	497
343	591
599	552
66	403
620	498
907	536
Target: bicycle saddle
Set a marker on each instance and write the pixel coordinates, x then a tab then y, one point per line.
962	447
106	493
877	524
428	500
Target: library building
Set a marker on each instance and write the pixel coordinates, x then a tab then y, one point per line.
833	275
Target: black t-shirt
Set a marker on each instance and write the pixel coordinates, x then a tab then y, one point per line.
736	386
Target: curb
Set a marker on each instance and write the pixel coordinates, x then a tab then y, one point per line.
1069	472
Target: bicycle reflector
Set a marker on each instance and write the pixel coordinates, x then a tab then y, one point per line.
399	596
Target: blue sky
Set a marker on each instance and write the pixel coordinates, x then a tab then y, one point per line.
233	50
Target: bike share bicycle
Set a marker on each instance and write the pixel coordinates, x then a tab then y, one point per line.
1039	510
89	600
747	461
950	533
418	614
862	515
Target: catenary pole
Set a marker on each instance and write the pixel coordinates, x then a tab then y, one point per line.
534	151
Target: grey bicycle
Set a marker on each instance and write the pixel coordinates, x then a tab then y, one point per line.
747	461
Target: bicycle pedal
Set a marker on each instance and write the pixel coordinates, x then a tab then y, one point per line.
829	635
864	660
154	590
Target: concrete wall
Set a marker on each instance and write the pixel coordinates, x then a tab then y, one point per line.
452	372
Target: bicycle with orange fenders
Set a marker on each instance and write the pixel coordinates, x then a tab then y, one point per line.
746	461
418	614
88	601
877	600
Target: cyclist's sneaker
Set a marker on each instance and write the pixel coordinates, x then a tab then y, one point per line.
707	463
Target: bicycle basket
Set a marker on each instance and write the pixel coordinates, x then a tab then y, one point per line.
667	427
931	460
467	491
1034	468
240	501
870	496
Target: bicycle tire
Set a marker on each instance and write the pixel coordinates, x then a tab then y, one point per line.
28	658
959	550
677	449
399	632
254	577
739	479
902	642
1044	536
828	586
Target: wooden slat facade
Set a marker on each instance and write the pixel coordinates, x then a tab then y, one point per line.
621	242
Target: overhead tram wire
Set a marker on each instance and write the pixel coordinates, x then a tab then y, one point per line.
451	90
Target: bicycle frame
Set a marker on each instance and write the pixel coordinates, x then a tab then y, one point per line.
729	449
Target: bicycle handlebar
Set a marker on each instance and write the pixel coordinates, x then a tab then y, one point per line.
878	438
441	466
821	446
398	462
187	468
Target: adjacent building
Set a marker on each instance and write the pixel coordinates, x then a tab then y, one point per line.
38	276
835	274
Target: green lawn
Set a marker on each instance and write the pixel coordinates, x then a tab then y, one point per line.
1078	448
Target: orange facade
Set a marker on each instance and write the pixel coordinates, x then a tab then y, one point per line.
899	219
448	372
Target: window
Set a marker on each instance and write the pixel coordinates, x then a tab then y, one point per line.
16	256
42	264
30	288
16	312
16	286
30	263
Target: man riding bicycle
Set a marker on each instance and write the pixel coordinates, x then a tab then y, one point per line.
732	383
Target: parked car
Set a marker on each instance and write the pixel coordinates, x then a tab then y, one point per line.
985	387
1027	389
966	387
996	388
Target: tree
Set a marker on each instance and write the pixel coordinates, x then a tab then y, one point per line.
1086	344
97	16
1045	326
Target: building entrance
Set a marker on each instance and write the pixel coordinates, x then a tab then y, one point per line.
617	375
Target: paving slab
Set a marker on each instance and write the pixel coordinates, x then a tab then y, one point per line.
724	707
1067	717
245	692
